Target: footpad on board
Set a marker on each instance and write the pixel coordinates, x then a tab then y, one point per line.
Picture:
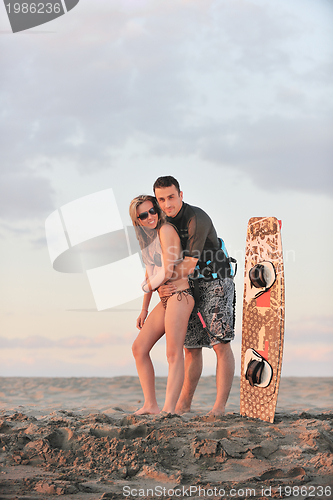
257	370
262	275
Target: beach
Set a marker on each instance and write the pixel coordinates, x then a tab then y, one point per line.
78	438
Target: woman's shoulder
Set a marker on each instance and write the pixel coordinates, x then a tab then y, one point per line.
168	230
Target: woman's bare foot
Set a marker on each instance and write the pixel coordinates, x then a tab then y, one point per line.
148	410
165	411
169	414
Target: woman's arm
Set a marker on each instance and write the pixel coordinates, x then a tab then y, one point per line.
170	254
145	304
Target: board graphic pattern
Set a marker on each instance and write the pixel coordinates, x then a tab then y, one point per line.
263	317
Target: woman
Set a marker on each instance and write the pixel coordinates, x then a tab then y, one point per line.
161	251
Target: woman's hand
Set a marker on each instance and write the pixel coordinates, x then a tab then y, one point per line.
141	319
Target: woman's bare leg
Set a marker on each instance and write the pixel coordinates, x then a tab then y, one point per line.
176	320
151	332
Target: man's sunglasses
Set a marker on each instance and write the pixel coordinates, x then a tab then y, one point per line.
144	215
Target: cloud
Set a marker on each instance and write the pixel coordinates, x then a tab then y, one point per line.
72	343
277	152
25	196
233	82
307	360
52	364
316	329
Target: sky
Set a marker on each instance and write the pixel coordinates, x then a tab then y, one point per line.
234	98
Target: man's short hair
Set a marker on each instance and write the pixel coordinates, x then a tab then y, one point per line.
166	181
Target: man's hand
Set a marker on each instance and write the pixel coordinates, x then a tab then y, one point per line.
166	290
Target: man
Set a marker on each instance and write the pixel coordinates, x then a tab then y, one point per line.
215	287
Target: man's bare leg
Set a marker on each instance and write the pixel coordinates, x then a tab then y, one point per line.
225	369
193	369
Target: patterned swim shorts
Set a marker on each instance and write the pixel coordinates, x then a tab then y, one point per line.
217	306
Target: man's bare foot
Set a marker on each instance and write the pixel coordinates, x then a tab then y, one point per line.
183	405
148	410
181	410
216	411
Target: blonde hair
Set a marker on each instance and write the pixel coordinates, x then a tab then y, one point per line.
145	235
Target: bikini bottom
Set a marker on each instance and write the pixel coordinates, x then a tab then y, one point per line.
180	294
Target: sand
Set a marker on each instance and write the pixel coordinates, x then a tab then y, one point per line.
78	439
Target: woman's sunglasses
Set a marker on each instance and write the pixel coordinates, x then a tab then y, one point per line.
144	215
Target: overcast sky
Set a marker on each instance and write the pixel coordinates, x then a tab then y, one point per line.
234	98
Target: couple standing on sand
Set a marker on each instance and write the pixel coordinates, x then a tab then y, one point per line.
183	258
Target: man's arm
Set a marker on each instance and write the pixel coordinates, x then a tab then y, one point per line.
183	269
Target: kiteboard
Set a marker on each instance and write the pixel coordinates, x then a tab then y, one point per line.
263	319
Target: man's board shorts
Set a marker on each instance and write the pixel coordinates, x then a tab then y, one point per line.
217	306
